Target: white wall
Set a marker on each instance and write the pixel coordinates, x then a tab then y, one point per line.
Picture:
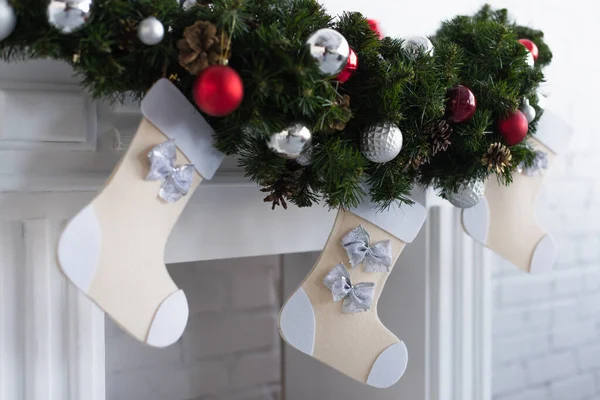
230	350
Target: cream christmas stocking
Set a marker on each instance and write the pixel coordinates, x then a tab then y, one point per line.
113	250
504	220
332	316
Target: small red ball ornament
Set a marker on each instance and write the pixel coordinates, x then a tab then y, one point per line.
375	27
351	66
514	127
532	47
218	90
461	104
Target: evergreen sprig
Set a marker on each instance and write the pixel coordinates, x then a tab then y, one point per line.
283	85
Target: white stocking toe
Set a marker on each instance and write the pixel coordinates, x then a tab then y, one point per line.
389	366
544	255
169	321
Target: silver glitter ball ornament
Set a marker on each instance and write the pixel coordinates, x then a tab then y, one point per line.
69	15
528	110
414	45
330	49
381	143
151	31
305	158
291	142
467	196
8	19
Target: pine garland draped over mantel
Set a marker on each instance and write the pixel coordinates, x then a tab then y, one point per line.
283	85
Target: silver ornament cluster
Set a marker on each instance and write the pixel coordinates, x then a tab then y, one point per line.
330	49
528	110
68	16
381	143
467	196
151	31
414	45
291	142
8	19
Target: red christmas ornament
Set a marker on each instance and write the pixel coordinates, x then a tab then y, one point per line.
532	47
375	27
514	127
218	90
461	104
350	67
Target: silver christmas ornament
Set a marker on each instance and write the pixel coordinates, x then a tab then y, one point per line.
528	110
416	44
291	142
8	19
530	60
151	31
467	196
69	15
330	49
381	143
305	158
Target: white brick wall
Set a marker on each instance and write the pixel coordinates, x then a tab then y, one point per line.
230	350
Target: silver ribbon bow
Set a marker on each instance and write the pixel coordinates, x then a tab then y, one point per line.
540	162
376	258
357	298
177	180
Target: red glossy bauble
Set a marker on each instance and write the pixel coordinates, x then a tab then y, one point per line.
532	47
350	67
218	90
514	127
461	104
375	27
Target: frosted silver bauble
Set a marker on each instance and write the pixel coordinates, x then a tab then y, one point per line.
151	31
69	15
414	45
291	142
467	196
528	110
8	19
305	158
381	143
330	49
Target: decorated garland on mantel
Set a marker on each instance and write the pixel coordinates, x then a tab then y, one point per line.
314	107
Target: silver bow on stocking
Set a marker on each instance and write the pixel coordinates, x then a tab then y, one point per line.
540	162
177	180
376	258
357	298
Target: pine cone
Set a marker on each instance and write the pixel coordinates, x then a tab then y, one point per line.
344	103
498	157
202	45
439	136
283	188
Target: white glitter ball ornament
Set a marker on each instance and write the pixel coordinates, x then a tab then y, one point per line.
467	196
381	143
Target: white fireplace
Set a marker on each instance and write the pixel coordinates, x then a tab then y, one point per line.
57	147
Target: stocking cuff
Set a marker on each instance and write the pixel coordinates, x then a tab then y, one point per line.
168	109
554	132
402	221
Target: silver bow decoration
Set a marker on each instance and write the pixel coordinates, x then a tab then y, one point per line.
540	162
177	180
376	258
357	298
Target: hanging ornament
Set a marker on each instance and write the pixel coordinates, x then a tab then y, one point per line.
291	142
330	49
69	15
8	19
151	31
467	196
461	104
413	46
381	143
351	66
528	110
218	90
531	46
305	158
514	127
375	28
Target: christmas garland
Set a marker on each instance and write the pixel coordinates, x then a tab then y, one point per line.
314	107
